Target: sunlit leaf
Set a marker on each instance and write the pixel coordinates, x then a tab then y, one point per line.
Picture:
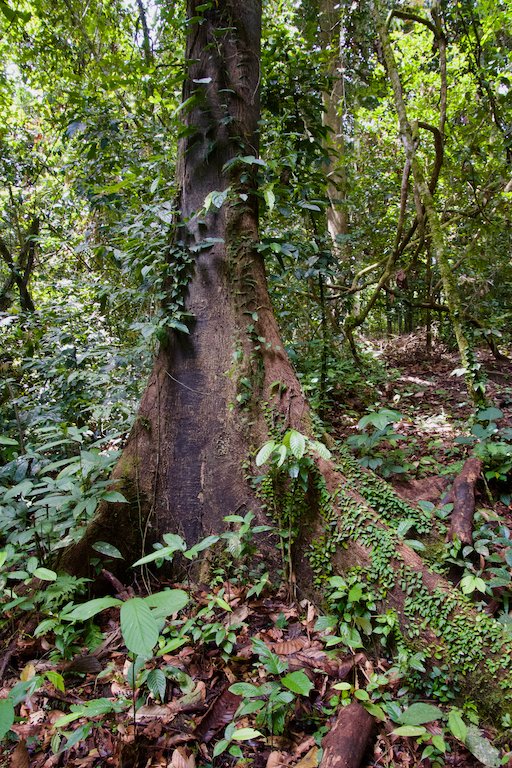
139	626
104	548
91	608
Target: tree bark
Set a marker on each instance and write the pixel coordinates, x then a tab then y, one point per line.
21	269
332	33
346	743
462	495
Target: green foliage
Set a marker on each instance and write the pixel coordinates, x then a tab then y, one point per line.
271	701
141	618
233	734
490	444
377	448
52	488
284	488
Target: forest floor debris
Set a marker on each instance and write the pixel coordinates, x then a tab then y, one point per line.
256	679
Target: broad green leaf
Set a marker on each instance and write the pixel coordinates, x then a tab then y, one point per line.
489	414
79	734
439	743
21	489
321	449
91	608
193	552
297	444
114	496
379	420
220	747
375	710
139	627
104	548
244	734
6	716
222	603
298	682
177	326
56	680
362	695
282	453
270	197
409	730
471	583
245	689
172	645
249	707
157	683
175	541
272	662
45	574
265	452
135	667
419	713
355	594
251	160
308	206
4	440
167	602
89	709
159	554
457	726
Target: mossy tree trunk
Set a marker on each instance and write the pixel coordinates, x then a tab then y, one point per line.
216	392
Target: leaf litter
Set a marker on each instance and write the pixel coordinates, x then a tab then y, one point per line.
181	728
181	719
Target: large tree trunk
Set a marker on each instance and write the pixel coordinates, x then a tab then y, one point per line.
183	465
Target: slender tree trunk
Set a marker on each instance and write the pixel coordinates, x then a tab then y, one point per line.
331	30
410	139
21	269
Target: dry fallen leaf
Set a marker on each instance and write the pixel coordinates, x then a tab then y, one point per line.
28	672
230	676
288	647
219	715
192	701
277	760
52	761
310	760
238	616
19	758
182	757
153	730
155	711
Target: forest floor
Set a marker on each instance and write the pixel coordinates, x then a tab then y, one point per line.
289	680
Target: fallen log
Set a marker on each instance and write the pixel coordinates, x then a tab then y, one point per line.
346	743
462	496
